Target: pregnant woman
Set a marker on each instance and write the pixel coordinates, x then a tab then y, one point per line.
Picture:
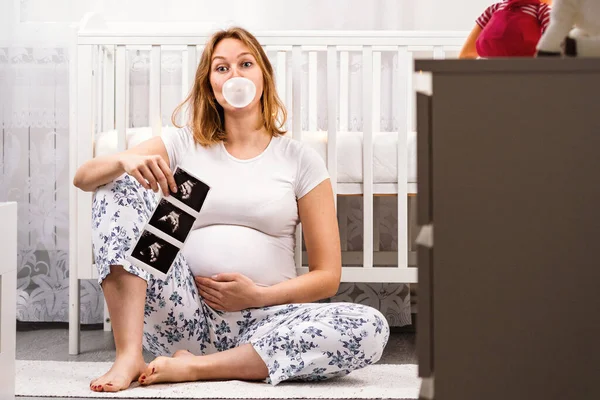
232	306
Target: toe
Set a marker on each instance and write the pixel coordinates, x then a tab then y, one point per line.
109	387
144	378
150	370
149	375
148	380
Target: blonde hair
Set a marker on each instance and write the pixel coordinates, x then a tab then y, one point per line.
206	117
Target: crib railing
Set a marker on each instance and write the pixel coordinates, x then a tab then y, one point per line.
100	102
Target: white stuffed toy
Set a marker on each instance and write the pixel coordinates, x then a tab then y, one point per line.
574	29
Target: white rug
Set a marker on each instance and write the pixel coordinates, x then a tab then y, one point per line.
71	379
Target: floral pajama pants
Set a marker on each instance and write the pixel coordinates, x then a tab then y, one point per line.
310	341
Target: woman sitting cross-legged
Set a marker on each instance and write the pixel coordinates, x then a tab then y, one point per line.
232	306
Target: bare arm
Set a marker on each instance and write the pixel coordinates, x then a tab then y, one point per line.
322	238
148	162
469	49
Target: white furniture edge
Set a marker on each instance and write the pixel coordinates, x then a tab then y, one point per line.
8	299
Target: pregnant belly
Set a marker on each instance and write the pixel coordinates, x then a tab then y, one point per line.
265	259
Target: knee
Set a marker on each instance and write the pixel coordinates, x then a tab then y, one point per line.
107	193
378	331
378	320
124	183
123	195
368	323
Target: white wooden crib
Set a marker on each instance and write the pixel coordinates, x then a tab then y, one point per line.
99	101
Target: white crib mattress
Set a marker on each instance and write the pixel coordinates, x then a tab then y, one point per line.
349	145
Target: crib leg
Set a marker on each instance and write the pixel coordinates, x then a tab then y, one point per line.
74	315
107	323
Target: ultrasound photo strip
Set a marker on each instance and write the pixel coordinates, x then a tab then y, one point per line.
168	228
154	252
172	220
191	191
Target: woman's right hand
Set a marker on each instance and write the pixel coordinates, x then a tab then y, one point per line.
150	171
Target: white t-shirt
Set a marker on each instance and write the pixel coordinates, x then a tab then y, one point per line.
248	221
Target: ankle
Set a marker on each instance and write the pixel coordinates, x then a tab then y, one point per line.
199	368
130	354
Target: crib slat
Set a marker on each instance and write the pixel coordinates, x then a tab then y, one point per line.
331	118
108	96
184	74
281	76
200	52
192	65
122	87
406	97
189	65
377	91
297	92
98	117
155	92
367	95
405	125
312	91
102	86
439	53
85	133
344	89
297	127
288	90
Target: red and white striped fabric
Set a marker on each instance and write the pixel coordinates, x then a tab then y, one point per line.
540	11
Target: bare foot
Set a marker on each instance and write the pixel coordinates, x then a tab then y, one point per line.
179	368
125	370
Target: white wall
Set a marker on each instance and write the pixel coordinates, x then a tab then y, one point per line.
256	14
48	20
447	14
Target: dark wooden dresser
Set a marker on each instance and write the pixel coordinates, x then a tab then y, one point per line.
509	188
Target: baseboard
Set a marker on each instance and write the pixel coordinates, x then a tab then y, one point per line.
24	326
